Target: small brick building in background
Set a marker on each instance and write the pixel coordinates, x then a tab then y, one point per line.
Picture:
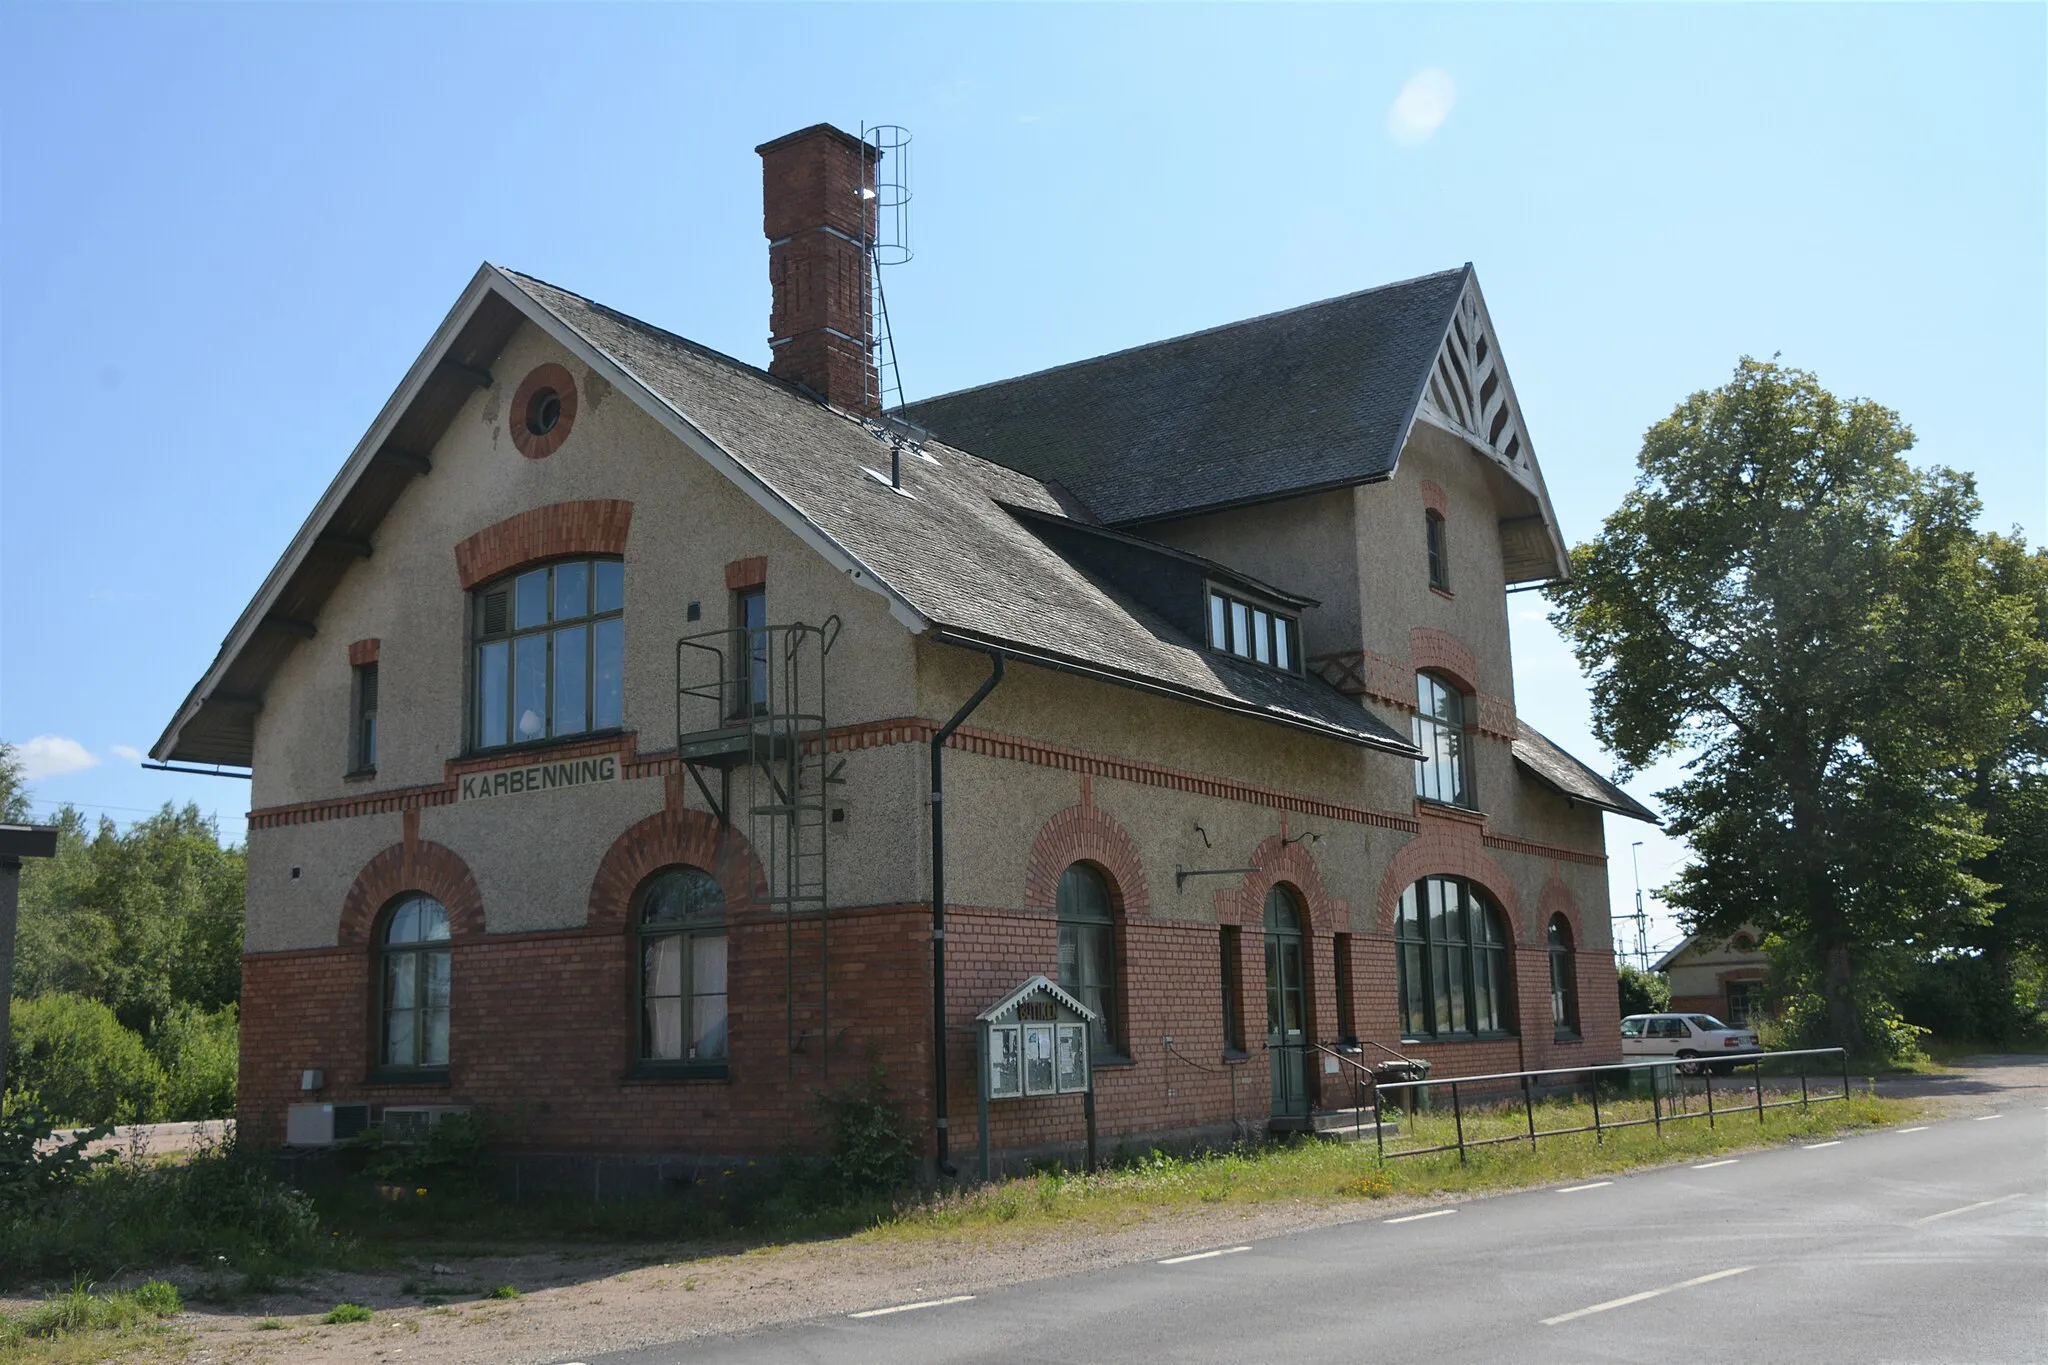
620	816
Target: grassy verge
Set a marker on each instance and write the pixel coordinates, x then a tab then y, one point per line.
1333	1172
85	1324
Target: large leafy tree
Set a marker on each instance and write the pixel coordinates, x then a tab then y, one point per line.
1821	625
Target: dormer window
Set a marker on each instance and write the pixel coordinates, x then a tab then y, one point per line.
1253	631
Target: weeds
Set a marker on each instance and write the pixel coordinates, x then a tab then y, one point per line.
505	1291
346	1312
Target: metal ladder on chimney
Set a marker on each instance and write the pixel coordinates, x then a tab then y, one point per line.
751	704
885	237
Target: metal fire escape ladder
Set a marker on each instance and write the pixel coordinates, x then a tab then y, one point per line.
750	705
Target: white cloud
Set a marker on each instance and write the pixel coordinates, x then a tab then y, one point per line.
53	756
132	754
1421	107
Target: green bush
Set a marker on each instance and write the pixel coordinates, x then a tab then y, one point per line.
198	1052
347	1312
33	1164
84	1067
868	1150
215	1203
455	1157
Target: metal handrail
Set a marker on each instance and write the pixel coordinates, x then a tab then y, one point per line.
1753	1060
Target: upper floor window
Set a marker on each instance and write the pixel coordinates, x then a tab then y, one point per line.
1087	928
1440	734
750	686
1439	553
415	981
363	739
1453	964
1252	632
550	652
682	970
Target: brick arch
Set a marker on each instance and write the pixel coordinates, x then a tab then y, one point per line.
1557	899
1433	497
1280	862
546	376
1439	651
1086	834
668	837
412	866
595	526
1448	849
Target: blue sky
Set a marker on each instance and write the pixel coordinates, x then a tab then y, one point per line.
226	231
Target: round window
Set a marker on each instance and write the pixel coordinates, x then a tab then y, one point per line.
543	410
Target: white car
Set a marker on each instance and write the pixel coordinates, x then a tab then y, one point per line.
1687	1037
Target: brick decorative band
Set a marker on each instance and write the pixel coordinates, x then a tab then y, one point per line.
363	652
636	765
539	446
596	526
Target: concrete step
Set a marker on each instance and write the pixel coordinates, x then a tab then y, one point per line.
1337	1125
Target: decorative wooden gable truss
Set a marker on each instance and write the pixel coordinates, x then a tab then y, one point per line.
1469	395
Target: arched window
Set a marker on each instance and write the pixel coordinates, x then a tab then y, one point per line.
1564	981
1440	734
1453	964
1439	552
1087	919
415	975
550	653
682	971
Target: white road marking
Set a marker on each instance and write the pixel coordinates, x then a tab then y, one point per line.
1626	1300
1921	1129
1710	1165
1816	1146
908	1307
1967	1208
1203	1255
1574	1189
1986	1118
1433	1213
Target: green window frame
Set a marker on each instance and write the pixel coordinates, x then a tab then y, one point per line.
1439	551
415	968
1452	964
1230	944
1564	980
1088	960
548	653
363	732
681	972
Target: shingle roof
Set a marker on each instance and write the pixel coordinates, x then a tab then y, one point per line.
1314	397
950	550
1572	779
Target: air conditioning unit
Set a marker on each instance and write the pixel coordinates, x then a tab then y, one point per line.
323	1125
412	1122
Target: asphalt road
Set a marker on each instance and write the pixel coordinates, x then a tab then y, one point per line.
1899	1245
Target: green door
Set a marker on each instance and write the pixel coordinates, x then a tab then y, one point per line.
1286	1005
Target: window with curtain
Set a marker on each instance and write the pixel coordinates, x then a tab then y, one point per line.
1564	983
1452	962
682	971
550	646
1440	734
1087	947
415	986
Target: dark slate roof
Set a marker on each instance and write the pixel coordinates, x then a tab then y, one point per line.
1568	777
1314	397
951	550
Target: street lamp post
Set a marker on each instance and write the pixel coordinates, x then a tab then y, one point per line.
16	842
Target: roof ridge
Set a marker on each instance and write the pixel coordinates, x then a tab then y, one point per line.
1190	336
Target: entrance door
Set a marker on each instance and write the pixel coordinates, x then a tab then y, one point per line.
1286	1005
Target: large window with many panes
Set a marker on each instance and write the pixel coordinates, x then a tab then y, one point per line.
1442	773
1453	961
550	653
682	972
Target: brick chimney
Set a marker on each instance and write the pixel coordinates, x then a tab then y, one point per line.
813	210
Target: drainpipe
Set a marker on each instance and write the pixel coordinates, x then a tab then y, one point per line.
995	675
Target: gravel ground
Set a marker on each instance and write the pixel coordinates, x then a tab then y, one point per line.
572	1306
